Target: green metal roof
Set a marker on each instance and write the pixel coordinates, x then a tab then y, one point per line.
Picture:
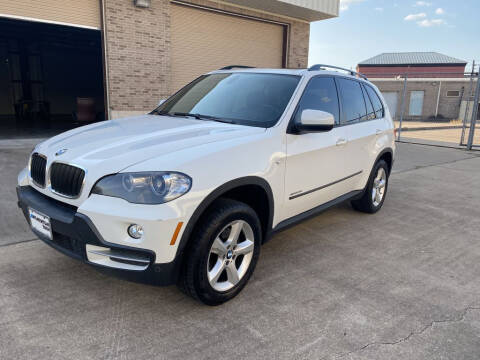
412	58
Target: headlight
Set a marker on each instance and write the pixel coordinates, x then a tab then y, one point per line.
144	187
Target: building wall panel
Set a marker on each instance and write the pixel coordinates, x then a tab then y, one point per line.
82	13
139	43
203	41
449	107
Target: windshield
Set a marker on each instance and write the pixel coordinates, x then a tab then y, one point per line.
241	98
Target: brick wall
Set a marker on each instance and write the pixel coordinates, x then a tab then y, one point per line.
299	42
138	51
449	107
138	43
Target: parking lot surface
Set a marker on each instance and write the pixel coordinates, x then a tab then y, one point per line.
402	283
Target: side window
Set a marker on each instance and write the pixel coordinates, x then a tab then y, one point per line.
320	94
353	104
370	111
377	103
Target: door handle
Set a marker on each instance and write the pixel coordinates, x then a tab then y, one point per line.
378	132
341	141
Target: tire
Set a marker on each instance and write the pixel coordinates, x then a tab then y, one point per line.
376	191
213	260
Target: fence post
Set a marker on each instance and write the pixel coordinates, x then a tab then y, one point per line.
467	106
474	114
402	110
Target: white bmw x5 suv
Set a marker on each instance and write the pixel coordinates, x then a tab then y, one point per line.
188	193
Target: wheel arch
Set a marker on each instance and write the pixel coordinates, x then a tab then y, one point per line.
229	188
387	155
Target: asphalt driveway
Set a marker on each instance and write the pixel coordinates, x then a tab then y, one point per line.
401	284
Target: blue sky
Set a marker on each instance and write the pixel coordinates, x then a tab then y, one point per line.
366	28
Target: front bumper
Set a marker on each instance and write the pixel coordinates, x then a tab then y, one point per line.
73	232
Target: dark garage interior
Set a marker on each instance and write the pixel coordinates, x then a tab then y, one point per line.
51	78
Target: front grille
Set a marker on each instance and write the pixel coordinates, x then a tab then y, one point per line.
66	179
37	169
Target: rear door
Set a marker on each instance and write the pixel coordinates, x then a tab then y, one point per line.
364	124
353	120
315	161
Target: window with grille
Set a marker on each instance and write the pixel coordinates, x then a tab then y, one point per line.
453	93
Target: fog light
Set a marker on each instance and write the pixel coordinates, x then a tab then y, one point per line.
135	231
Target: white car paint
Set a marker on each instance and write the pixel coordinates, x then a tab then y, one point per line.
212	154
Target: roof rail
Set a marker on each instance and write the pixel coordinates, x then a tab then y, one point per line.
230	67
317	67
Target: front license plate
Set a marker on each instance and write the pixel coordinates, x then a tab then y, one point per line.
40	223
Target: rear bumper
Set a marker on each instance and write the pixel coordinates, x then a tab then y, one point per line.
73	232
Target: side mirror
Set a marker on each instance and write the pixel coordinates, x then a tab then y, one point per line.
315	121
161	102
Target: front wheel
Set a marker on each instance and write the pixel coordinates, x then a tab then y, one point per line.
376	191
224	252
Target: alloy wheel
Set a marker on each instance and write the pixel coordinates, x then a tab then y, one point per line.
379	185
230	255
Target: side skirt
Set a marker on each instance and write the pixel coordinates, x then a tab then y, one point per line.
285	224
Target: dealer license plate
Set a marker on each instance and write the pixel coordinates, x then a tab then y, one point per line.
40	223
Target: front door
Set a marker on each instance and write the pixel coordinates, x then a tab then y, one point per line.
316	162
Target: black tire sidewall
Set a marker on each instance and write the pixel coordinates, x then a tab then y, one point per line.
379	164
214	224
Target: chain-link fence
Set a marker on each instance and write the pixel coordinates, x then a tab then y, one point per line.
434	108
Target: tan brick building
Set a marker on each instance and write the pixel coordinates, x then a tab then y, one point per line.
67	62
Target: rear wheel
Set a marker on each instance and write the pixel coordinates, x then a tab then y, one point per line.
224	252
374	196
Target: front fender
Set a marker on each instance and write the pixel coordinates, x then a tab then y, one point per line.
217	193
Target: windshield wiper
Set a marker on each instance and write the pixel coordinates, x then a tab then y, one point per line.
156	111
204	117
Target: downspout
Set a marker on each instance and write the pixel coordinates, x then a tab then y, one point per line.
438	99
106	82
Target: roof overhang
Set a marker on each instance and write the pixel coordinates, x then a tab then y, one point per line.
308	10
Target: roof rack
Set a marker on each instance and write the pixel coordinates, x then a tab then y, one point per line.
317	67
230	67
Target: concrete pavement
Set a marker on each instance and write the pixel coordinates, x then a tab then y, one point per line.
13	158
399	284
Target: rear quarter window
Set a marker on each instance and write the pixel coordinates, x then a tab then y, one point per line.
376	102
353	103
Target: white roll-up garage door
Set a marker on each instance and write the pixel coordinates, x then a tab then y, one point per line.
85	13
204	40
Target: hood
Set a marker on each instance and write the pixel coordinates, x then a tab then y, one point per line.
111	146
